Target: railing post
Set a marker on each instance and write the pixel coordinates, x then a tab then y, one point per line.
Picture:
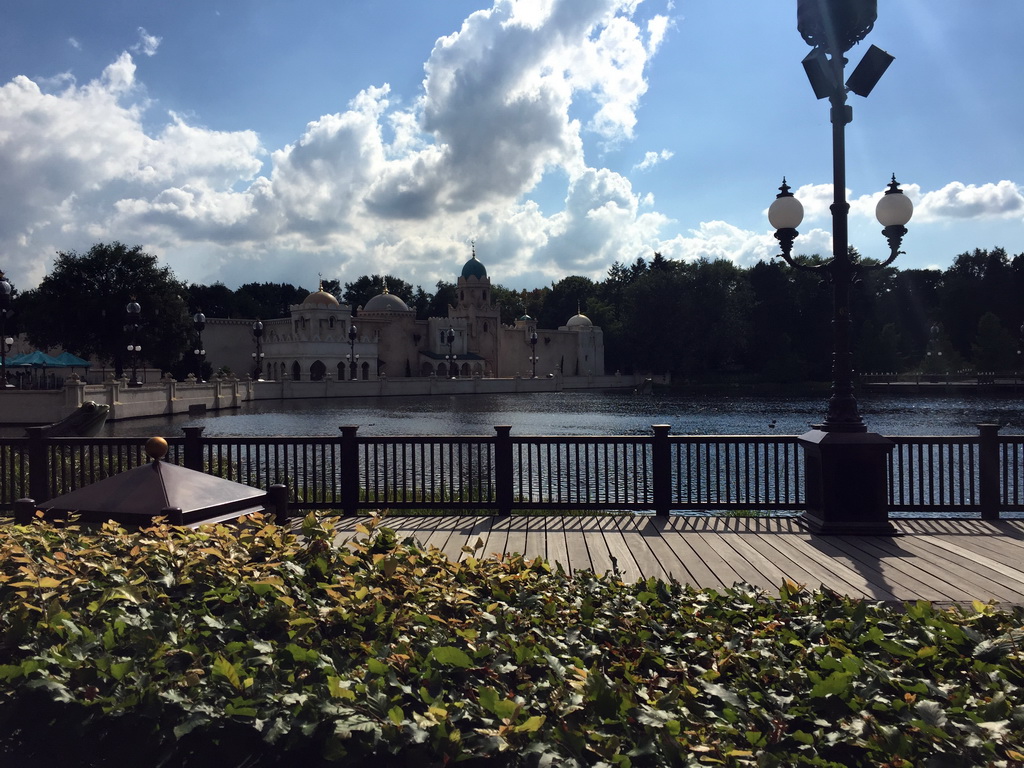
277	495
503	467
661	466
38	465
988	470
24	511
193	458
349	470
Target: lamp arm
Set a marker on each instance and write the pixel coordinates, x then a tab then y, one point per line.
786	236
894	234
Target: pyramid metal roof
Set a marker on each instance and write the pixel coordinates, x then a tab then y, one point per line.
138	495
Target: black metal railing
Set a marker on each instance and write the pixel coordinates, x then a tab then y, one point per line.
979	474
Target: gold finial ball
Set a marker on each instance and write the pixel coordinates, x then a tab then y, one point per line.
156	448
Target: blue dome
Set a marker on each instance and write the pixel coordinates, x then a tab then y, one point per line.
474	268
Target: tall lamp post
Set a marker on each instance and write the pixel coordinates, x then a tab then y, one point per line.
132	324
451	358
257	356
845	471
533	352
6	342
199	323
352	357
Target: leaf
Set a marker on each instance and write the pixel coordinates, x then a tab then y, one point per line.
531	724
930	712
724	694
396	715
834	685
119	669
450	656
224	668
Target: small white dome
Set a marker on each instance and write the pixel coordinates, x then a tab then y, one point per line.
579	321
386	302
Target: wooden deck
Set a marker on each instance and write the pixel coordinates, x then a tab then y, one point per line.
942	561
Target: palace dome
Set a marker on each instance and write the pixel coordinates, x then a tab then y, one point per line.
386	302
320	299
473	268
578	322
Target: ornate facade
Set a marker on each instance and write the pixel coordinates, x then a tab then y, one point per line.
322	338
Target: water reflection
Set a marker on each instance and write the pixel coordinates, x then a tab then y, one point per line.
585	413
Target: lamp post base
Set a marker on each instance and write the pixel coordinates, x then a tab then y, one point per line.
846	484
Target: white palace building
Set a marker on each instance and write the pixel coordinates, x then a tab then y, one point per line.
323	339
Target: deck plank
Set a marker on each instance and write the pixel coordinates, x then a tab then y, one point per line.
634	529
621	552
695	570
556	550
976	570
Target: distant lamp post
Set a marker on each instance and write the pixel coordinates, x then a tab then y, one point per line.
352	357
133	322
6	342
199	323
933	353
257	356
533	352
845	472
451	358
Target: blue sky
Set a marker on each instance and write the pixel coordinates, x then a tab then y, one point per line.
275	140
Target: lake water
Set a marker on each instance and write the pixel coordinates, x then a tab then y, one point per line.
587	413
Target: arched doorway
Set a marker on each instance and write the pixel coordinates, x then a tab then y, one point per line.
296	371
317	371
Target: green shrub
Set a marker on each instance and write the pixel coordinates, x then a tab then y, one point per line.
251	645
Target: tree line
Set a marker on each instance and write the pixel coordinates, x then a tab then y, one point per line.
699	320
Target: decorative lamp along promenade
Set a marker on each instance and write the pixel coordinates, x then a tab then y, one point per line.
133	322
6	342
352	357
199	323
845	465
451	358
258	355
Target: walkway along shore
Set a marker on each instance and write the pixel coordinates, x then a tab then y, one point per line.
168	397
942	561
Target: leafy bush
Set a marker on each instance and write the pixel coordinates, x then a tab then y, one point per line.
251	645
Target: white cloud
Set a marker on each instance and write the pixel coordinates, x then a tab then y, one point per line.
651	159
492	120
508	104
147	44
957	200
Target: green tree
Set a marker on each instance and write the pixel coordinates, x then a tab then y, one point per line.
994	348
80	306
444	296
266	300
567	297
215	300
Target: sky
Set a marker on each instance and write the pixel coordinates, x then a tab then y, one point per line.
288	140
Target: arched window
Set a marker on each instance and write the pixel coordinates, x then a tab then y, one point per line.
485	327
296	371
317	371
330	322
